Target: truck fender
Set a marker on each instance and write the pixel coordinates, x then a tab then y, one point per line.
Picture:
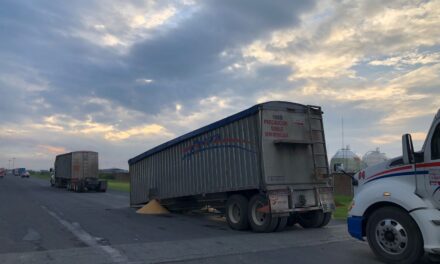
399	193
377	194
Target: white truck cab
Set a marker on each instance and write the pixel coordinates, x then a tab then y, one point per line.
396	205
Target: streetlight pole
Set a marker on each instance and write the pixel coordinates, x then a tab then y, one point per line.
9	164
13	163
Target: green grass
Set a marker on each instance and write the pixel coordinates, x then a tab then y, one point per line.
43	176
118	185
342	204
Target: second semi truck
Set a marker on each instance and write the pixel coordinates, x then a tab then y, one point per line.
77	171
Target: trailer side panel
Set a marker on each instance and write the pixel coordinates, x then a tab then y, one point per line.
224	159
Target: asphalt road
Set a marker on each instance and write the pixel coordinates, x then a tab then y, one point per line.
40	224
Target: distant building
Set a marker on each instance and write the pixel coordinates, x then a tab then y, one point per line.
373	157
347	160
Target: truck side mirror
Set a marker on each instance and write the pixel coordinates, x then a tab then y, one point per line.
407	149
339	168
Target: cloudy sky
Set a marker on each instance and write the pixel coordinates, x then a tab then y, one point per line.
120	77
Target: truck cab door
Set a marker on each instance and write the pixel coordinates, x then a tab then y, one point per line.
432	164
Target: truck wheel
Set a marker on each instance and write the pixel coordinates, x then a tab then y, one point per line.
282	223
237	212
261	221
326	219
311	219
292	220
394	236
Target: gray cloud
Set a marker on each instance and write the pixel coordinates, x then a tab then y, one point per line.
48	67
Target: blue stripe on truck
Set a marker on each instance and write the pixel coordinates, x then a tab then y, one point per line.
355	225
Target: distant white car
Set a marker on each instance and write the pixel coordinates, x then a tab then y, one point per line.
25	174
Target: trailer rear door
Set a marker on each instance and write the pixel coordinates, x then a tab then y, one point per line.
293	146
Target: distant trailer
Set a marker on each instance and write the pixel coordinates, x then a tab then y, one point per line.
19	171
78	171
264	167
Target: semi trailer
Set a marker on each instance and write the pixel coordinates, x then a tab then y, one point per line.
396	205
77	171
264	168
19	171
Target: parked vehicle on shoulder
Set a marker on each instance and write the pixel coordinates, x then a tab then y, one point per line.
77	171
264	167
2	172
397	203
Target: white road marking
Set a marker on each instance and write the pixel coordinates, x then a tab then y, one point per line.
81	234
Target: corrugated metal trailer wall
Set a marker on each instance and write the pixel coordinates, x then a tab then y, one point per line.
63	166
85	164
223	159
78	164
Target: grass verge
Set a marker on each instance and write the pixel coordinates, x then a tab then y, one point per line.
118	185
342	204
43	176
112	184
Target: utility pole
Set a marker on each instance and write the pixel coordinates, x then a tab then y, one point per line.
13	163
9	164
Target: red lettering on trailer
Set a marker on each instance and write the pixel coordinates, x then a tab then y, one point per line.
276	134
275	122
277	128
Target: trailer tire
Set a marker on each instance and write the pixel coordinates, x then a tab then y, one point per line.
292	220
311	219
261	222
282	223
237	212
326	219
393	236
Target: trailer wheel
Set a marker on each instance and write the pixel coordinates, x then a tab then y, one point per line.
237	212
292	220
261	221
311	219
282	223
326	219
394	236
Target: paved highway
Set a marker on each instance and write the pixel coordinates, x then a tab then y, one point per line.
40	224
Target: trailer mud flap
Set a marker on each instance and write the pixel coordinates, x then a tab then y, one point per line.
326	199
279	201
